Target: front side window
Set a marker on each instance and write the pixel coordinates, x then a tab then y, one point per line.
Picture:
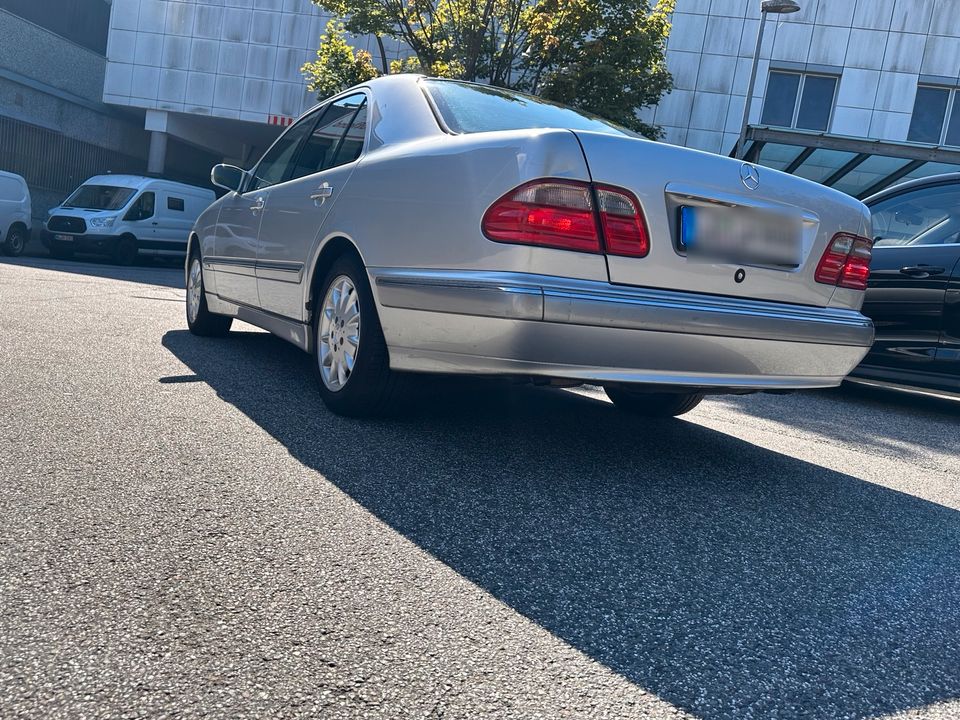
142	209
276	165
99	197
928	216
468	108
936	116
334	140
799	100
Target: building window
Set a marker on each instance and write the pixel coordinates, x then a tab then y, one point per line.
799	100
936	116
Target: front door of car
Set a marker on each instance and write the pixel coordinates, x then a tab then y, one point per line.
914	255
948	354
235	248
298	207
141	219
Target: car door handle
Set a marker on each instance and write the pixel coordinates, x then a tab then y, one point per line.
922	271
322	193
257	206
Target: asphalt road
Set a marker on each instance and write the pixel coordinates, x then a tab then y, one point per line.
185	531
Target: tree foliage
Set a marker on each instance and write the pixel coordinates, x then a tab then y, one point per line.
604	56
337	65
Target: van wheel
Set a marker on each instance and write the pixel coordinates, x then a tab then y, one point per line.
652	404
16	242
125	251
199	318
351	361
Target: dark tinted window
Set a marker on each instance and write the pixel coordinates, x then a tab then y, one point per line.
928	216
142	208
277	164
469	108
929	110
781	99
352	144
99	197
320	151
175	204
816	102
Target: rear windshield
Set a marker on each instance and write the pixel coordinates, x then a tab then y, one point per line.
468	108
99	197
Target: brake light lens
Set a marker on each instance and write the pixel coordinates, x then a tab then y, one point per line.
624	227
846	262
555	213
563	214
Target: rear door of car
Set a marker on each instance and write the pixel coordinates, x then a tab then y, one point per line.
948	353
915	251
297	207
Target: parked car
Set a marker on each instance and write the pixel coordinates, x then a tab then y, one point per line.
421	225
15	213
125	215
913	294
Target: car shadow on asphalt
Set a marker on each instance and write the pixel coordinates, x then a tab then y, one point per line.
164	272
729	580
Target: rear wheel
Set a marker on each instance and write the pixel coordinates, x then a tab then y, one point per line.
199	318
653	404
126	250
351	362
16	241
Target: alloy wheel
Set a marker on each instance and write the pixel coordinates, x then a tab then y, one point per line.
339	336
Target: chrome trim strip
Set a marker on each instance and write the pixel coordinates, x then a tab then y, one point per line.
600	304
235	266
291	272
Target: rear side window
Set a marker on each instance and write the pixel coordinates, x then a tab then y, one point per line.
175	203
468	108
926	216
324	147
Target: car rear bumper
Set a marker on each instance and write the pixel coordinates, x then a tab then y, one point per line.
515	323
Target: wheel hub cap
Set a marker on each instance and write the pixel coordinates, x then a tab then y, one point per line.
194	288
339	336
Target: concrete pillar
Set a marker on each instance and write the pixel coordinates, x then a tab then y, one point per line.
157	158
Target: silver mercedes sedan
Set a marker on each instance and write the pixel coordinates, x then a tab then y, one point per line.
413	224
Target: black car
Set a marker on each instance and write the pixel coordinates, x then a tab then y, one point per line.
913	295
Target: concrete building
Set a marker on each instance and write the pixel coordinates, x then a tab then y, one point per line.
853	93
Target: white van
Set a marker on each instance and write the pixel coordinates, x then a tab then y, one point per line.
124	215
15	212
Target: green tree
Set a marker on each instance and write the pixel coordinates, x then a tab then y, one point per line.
604	56
337	66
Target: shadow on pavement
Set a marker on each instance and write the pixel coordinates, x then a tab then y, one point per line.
725	578
165	272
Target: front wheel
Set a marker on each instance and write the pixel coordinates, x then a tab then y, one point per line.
199	318
351	362
652	404
126	250
16	242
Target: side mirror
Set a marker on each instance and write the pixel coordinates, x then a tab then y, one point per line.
228	177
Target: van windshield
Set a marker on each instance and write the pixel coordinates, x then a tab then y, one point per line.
99	197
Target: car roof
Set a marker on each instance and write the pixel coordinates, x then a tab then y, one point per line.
931	181
5	173
139	181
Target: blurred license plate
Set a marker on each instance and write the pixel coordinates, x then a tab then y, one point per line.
745	237
63	238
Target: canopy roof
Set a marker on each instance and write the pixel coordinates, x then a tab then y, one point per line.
855	166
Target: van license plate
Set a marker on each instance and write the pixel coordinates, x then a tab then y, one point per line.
63	238
743	237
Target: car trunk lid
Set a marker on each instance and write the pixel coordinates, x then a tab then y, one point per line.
675	185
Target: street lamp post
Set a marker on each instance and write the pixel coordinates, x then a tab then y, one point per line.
767	7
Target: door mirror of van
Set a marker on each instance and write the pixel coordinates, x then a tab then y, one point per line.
228	177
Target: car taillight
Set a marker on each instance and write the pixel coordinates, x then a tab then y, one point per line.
554	213
561	214
624	227
846	262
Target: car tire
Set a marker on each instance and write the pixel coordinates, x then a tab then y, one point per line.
368	387
200	320
125	251
15	243
653	404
